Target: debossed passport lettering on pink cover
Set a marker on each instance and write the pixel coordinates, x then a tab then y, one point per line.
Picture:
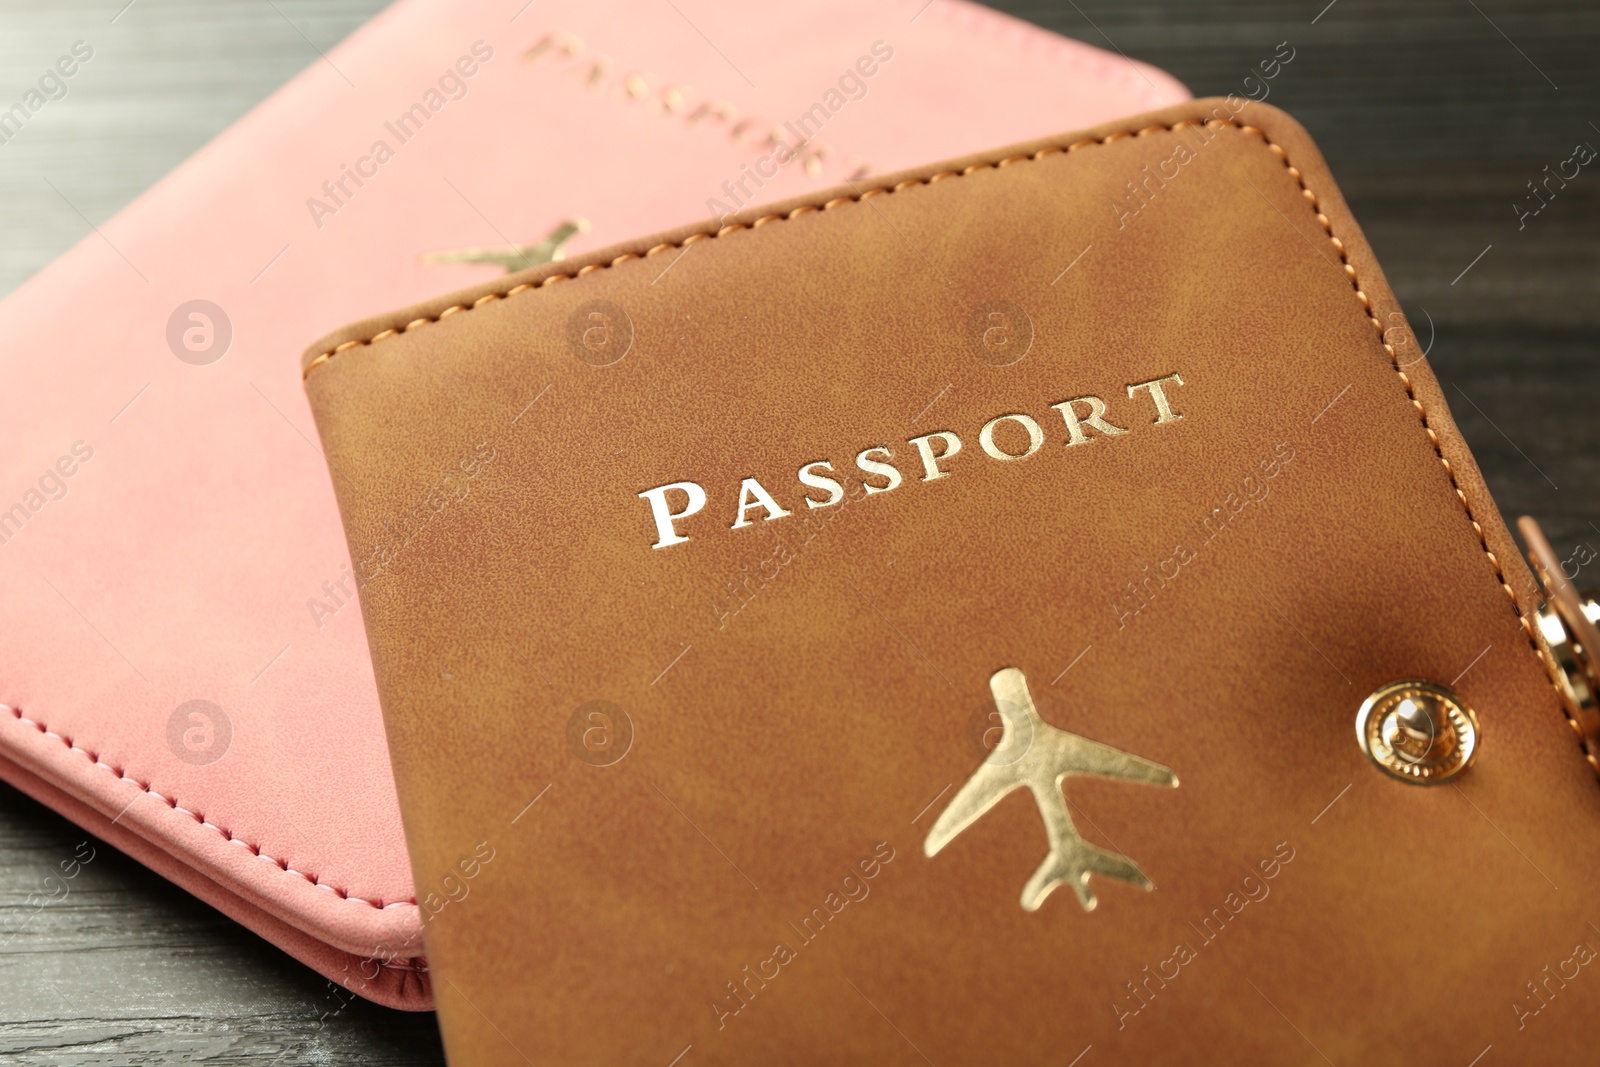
185	671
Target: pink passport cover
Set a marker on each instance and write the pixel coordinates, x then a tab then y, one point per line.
183	556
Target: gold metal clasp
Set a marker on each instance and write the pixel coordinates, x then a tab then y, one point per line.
1567	622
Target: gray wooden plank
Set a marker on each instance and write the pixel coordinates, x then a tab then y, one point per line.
108	963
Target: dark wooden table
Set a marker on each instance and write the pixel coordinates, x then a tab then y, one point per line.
1434	114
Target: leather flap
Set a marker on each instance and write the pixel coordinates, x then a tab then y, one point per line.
738	602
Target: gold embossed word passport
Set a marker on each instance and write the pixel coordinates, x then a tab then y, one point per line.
929	623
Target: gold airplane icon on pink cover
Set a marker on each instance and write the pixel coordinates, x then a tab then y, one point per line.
515	257
1034	754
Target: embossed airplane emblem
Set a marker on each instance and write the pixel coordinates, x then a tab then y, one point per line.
1035	754
515	257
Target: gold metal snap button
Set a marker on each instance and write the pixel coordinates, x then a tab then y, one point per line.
1418	732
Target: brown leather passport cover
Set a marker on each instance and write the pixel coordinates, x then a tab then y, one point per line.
672	761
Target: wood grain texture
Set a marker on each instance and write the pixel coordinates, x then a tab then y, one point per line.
1433	116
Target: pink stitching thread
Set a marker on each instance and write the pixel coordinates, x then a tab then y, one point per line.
225	834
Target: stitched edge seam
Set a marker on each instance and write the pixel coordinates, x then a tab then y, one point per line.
225	834
1591	756
804	209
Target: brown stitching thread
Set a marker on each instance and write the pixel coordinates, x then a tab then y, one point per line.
1212	124
1366	304
226	835
804	209
1589	754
